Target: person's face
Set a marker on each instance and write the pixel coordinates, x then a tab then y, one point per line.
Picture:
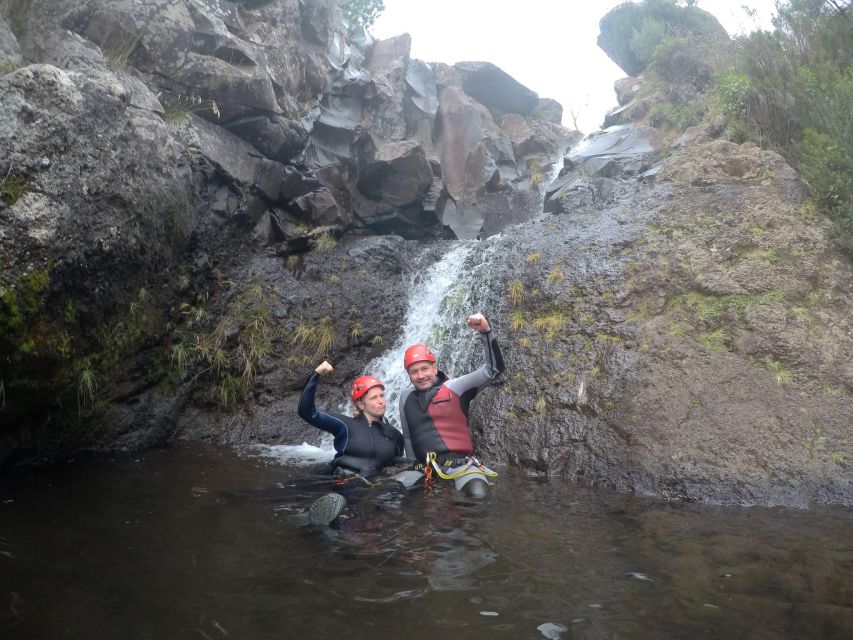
422	374
372	403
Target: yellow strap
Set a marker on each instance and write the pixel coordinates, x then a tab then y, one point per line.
467	471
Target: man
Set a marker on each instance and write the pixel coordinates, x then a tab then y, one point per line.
434	415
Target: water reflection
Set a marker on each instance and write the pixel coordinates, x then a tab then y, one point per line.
196	543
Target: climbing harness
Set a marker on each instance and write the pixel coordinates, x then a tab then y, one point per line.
428	479
346	480
472	466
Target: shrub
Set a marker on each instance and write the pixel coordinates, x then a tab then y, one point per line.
363	12
828	168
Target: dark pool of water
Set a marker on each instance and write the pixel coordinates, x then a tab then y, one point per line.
196	543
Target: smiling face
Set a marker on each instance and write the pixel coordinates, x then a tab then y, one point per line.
423	374
372	404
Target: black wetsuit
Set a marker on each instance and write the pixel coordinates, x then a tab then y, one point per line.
361	447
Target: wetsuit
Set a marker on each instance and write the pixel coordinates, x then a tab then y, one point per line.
436	420
360	447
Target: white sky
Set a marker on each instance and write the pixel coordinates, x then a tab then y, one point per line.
547	45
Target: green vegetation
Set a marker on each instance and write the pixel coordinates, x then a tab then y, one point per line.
317	338
325	242
232	352
87	383
711	307
515	292
363	12
551	323
178	110
782	375
790	90
555	274
517	320
13	186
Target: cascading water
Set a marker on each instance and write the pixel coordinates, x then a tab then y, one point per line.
433	298
439	300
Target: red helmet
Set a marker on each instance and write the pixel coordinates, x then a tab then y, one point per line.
363	384
417	353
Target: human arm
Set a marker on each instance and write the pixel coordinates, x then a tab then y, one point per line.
408	451
307	410
493	360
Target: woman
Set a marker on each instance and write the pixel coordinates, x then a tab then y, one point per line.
364	443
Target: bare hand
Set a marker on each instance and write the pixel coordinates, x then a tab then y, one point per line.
478	321
324	368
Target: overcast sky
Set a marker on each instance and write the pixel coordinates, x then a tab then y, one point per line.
547	45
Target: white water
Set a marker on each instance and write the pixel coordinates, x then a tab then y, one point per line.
439	301
435	301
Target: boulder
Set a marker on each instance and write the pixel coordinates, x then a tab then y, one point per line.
387	65
234	157
706	162
105	205
319	208
619	26
626	89
421	106
549	110
398	173
494	88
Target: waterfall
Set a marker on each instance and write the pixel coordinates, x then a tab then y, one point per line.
436	300
439	300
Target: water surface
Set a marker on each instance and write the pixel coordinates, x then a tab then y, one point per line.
196	543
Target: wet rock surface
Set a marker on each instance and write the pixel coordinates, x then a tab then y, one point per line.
683	338
155	155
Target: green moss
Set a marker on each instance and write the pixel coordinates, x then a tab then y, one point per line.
711	307
13	186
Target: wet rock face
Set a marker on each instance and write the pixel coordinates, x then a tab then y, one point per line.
164	156
103	206
677	337
354	293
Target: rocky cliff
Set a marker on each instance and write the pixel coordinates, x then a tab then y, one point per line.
203	198
177	177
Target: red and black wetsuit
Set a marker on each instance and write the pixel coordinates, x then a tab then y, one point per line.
437	419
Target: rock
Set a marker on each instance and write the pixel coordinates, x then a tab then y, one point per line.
549	110
387	65
297	183
103	218
626	90
276	137
633	111
398	173
703	162
618	26
236	158
471	148
422	104
495	89
10	50
660	371
320	208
